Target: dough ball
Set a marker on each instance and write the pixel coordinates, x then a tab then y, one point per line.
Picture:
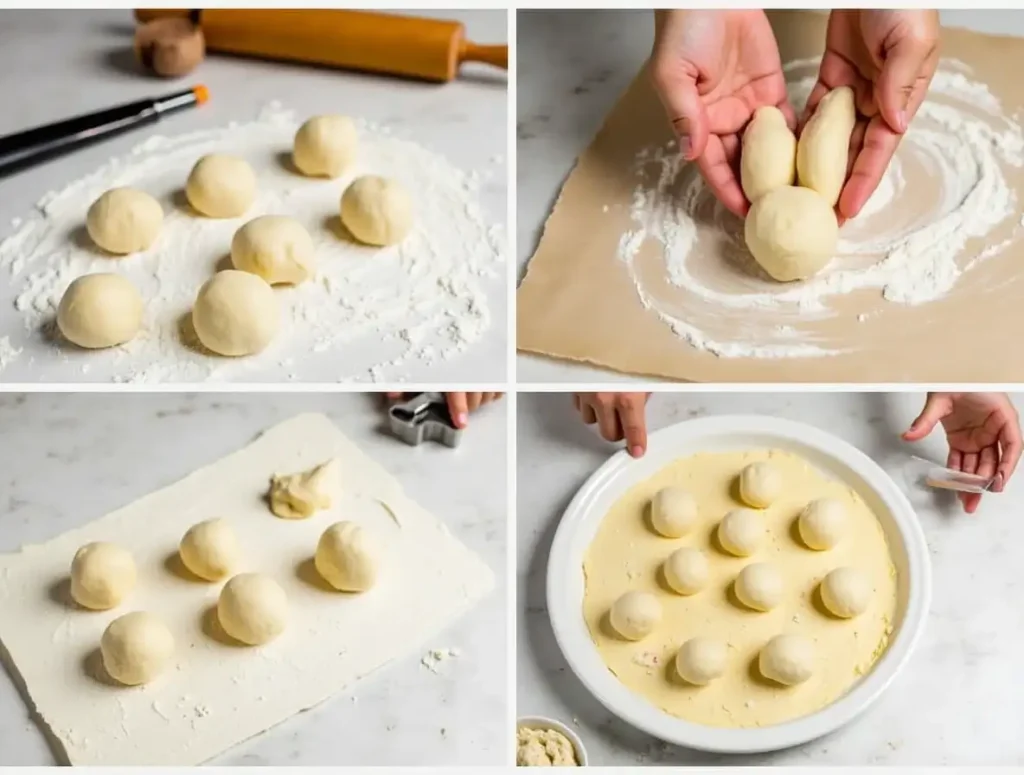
822	523
673	512
686	570
346	557
210	549
275	247
100	310
221	186
792	233
699	661
136	648
846	592
252	608
635	614
824	150
741	532
787	659
301	495
235	313
124	220
376	210
102	575
760	485
768	156
759	586
325	146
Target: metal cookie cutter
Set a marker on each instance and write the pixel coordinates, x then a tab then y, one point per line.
424	417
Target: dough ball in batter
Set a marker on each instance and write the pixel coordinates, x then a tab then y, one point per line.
124	220
792	232
275	247
210	549
787	659
376	210
252	608
346	557
686	570
235	313
740	532
100	310
759	586
760	484
635	614
822	523
102	575
673	512
325	146
700	660
136	648
846	592
221	186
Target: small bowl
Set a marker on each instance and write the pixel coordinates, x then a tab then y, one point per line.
542	722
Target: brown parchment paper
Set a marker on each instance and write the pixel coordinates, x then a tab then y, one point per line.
577	301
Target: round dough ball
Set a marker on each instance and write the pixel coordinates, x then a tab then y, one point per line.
136	648
210	549
673	512
846	592
760	484
275	247
635	614
325	146
102	575
221	186
759	586
124	220
822	523
376	210
100	310
252	608
792	232
235	313
686	570
699	661
787	659
346	556
740	532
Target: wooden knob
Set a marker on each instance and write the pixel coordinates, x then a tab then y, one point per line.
170	47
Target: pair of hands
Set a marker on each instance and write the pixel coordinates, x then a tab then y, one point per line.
459	404
713	69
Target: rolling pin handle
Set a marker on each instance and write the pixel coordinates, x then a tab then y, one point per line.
492	55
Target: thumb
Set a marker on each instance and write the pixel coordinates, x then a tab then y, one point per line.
677	90
904	63
935	408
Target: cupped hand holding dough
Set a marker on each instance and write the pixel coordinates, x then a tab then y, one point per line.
673	512
235	313
846	592
253	608
761	484
741	532
635	615
221	186
136	648
376	210
325	146
701	660
768	155
102	575
210	549
822	523
275	247
822	155
124	220
686	570
100	310
759	586
787	659
792	232
347	557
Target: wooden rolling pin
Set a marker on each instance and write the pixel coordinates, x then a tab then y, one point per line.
428	49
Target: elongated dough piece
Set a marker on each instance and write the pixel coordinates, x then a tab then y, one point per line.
768	158
824	147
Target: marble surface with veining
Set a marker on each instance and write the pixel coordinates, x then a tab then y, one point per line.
68	459
958	700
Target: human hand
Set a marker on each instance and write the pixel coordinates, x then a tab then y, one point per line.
712	70
618	416
888	58
460	404
983	432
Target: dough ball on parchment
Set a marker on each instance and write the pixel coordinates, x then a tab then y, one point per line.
100	310
275	247
347	557
235	313
221	186
701	660
846	592
686	570
136	648
822	523
761	484
124	220
741	532
376	210
759	586
325	146
673	512
792	233
210	549
787	659
102	575
253	608
635	614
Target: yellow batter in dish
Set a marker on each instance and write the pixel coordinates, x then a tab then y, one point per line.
626	554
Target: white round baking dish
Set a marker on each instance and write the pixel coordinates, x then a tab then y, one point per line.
833	457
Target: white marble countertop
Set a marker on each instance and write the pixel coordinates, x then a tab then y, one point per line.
573	67
958	701
67	459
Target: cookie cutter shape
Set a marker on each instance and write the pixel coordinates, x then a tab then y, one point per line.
424	417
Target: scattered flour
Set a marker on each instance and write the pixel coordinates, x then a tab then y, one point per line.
434	658
8	352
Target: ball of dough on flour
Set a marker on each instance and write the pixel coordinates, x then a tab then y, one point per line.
759	586
700	660
102	575
124	220
325	146
252	608
792	233
686	570
787	659
846	592
740	532
100	310
221	186
347	557
136	648
760	484
673	512
376	210
235	313
822	523
275	247
635	614
768	156
210	549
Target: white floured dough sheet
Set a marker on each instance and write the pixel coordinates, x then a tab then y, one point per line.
218	694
